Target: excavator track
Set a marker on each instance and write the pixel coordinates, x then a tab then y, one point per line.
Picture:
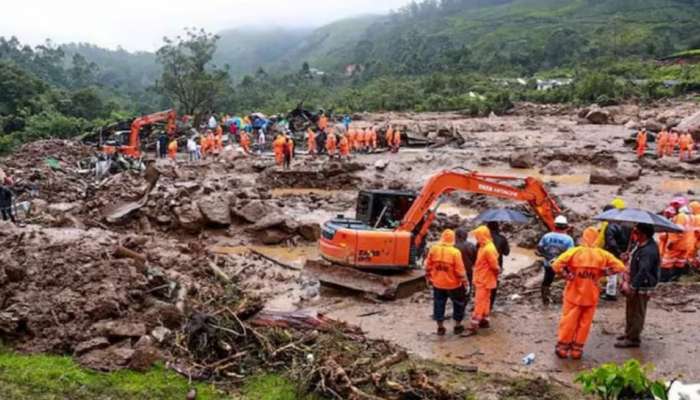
384	286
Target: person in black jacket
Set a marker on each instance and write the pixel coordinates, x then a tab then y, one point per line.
468	251
6	204
644	273
617	240
503	249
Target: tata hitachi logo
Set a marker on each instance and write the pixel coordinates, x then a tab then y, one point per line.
491	189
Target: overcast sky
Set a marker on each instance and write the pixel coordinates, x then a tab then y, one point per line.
141	24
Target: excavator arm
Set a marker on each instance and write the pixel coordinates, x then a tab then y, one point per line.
533	193
134	147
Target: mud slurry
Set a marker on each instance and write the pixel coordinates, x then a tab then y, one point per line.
121	294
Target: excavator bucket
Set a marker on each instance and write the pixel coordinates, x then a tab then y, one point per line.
384	286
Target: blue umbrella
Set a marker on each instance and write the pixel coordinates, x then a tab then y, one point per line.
502	215
637	216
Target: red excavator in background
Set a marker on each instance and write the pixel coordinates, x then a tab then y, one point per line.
133	147
389	231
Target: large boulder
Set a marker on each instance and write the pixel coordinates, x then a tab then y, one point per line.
625	172
310	231
598	116
254	210
653	125
557	167
272	237
691	124
216	211
523	160
381	165
189	217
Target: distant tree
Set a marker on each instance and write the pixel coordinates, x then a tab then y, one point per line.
187	79
82	73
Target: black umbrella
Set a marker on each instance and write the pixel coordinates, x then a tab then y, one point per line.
502	215
637	216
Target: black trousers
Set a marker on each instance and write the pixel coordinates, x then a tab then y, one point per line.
7	214
548	277
635	314
459	303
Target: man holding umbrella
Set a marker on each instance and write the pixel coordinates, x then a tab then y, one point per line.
644	267
643	276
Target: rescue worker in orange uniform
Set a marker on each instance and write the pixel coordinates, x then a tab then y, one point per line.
444	269
661	143
389	136
366	139
218	140
360	140
373	137
675	247
323	122
486	270
278	146
344	147
582	267
212	141
351	138
172	149
206	146
311	142
671	143
331	143
396	142
685	143
245	141
641	143
694	255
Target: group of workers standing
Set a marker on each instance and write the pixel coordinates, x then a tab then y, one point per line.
339	141
634	260
666	144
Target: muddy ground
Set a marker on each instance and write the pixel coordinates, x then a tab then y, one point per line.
100	265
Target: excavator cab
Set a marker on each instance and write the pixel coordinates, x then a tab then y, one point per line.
383	209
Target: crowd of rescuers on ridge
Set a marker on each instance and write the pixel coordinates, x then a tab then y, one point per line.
634	259
254	134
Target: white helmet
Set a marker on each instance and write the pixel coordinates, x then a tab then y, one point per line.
561	221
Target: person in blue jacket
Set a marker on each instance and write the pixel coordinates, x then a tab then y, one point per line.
551	246
346	122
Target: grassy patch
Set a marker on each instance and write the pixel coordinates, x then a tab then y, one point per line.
44	377
271	387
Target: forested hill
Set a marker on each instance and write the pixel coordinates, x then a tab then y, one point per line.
527	35
503	37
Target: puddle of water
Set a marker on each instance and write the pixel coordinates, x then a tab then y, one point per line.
518	260
679	185
571	180
293	256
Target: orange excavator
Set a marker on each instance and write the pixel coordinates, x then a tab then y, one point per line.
380	251
133	148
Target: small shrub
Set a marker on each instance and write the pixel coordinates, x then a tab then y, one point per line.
627	381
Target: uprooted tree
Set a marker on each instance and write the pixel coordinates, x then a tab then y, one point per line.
188	79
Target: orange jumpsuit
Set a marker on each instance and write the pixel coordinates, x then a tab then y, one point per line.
373	138
172	149
444	267
311	142
204	142
360	140
685	143
212	142
389	136
672	143
278	149
396	141
674	247
352	138
323	122
486	271
344	146
245	142
583	267
331	144
218	142
641	144
661	143
694	255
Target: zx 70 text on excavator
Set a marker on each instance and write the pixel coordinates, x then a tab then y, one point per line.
380	251
133	147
